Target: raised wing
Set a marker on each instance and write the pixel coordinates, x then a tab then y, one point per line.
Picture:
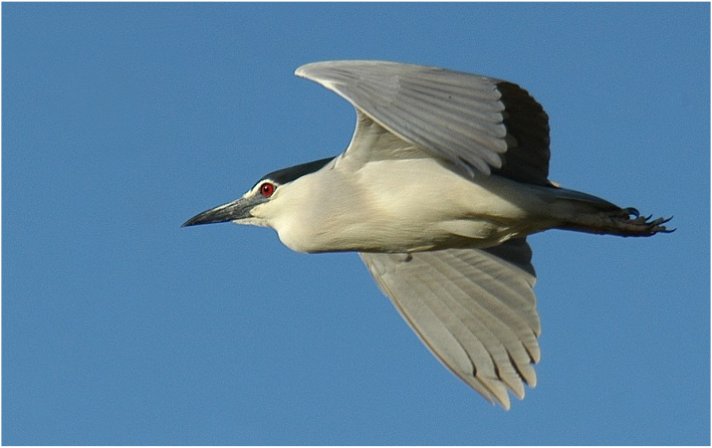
474	309
475	122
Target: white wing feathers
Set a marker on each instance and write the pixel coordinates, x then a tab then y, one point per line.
475	122
474	310
455	115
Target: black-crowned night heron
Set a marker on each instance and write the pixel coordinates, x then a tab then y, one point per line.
444	178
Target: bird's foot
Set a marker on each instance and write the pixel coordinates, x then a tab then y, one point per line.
628	222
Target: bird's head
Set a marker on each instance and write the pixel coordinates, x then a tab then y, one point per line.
257	206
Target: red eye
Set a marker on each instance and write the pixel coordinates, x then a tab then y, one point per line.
267	189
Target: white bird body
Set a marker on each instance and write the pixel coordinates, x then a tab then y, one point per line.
403	205
445	176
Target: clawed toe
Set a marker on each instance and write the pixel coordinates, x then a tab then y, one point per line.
631	211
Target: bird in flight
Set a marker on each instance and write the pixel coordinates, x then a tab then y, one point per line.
444	178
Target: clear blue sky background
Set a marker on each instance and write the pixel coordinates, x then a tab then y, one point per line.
121	121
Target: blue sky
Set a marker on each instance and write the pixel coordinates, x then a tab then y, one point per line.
120	121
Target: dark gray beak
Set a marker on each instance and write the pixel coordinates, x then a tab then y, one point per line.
232	211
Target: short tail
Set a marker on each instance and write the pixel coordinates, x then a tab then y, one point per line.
583	212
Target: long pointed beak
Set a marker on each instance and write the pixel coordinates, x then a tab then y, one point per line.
232	211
